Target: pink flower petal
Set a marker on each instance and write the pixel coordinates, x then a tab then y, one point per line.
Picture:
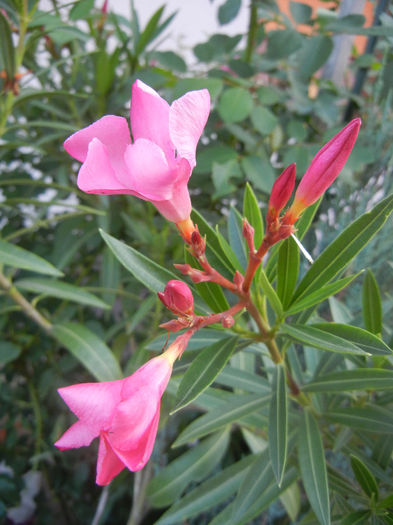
137	458
108	464
111	130
178	208
156	372
97	174
93	403
149	172
150	118
78	435
187	118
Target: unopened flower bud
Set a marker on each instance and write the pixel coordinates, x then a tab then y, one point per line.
178	298
248	234
324	168
281	192
198	244
227	321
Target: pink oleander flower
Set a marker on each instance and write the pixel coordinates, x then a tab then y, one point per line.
178	298
124	414
155	167
324	168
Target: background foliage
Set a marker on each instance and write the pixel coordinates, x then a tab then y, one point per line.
271	106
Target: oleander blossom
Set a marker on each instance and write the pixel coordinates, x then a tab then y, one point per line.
155	167
124	414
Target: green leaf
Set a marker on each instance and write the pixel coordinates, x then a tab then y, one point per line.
213	85
263	120
89	349
344	248
225	414
258	171
320	295
193	465
313	467
367	341
149	273
300	12
252	213
282	43
228	11
314	53
17	257
311	336
7	53
149	33
226	247
287	270
364	477
209	494
359	517
240	379
61	290
372	306
306	218
81	10
203	371
278	424
170	60
368	418
236	239
270	293
235	104
8	352
349	380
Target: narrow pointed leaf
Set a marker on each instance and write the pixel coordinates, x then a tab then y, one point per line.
371	419
252	213
61	290
7	52
372	306
223	415
240	379
313	467
149	273
89	349
349	380
236	239
278	424
193	465
226	247
364	477
367	341
271	294
203	371
287	270
311	336
12	255
344	248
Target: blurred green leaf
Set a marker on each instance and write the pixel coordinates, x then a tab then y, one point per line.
348	380
235	104
240	379
236	239
228	11
314	53
203	371
193	465
82	10
300	12
259	172
12	255
287	270
8	352
271	294
89	349
278	424
282	43
213	85
7	52
152	30
372	305
252	213
170	60
61	290
263	120
313	467
368	418
364	477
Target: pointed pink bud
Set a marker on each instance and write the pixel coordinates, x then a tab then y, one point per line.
124	414
198	244
324	168
248	234
281	192
177	297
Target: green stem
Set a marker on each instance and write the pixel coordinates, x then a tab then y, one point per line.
252	31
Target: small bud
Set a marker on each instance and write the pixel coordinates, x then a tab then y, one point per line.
281	192
248	234
198	276
198	244
324	168
185	269
174	325
177	297
227	321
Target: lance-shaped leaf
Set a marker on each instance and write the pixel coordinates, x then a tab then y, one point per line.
89	349
252	213
270	293
236	239
364	477
311	336
278	424
203	371
287	270
371	419
372	306
7	53
225	414
349	380
193	465
344	248
17	257
313	467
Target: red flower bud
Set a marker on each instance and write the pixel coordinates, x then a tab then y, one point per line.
198	244
178	298
324	168
281	192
